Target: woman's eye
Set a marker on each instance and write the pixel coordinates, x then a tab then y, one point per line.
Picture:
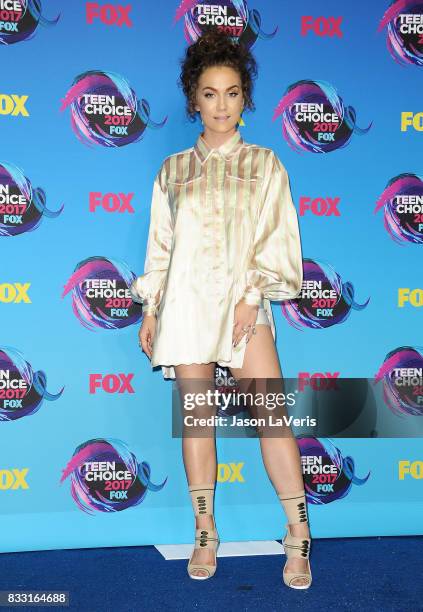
232	93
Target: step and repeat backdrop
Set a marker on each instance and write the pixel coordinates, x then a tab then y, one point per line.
89	108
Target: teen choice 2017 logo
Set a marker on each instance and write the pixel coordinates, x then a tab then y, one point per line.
19	20
402	377
325	300
230	16
100	294
21	207
402	203
327	475
404	22
106	477
105	110
22	390
314	118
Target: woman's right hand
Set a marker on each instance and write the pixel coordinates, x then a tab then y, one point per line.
146	334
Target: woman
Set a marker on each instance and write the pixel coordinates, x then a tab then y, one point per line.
223	241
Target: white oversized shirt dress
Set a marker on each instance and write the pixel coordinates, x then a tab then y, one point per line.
222	227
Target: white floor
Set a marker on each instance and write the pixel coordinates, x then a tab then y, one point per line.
226	549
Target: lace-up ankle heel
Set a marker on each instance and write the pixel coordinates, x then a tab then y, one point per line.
295	507
202	501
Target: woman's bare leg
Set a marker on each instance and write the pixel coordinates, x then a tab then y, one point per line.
281	456
199	453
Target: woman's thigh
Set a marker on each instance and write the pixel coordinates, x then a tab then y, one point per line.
260	357
195	370
261	374
196	387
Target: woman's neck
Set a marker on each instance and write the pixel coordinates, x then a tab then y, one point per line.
215	139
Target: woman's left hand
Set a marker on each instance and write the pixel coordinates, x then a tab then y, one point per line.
245	316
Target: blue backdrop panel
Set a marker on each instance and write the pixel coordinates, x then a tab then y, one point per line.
87	456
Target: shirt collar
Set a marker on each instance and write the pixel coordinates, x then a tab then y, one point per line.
227	149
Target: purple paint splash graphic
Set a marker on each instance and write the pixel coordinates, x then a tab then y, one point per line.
316	135
329	462
404	41
20	25
24	207
106	111
403	393
23	390
329	303
234	18
89	486
403	220
100	294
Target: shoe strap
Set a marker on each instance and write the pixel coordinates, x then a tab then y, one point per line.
202	496
210	569
295	506
289	577
296	546
206	538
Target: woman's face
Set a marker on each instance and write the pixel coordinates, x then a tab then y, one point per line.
219	98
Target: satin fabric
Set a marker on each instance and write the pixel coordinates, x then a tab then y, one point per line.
223	227
262	318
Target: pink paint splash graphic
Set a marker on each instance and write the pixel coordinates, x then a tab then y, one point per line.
329	454
13	362
301	136
248	21
91	312
13	179
97	128
25	21
405	226
94	495
402	397
405	48
301	314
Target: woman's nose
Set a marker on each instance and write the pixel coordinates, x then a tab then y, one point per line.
221	104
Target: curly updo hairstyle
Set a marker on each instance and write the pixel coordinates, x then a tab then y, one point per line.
216	48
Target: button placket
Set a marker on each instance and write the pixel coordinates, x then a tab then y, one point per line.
219	223
209	219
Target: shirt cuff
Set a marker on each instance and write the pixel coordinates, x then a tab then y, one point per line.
252	296
149	308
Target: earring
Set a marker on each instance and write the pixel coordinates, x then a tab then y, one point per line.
241	121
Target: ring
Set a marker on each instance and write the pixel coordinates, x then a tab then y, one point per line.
254	329
245	329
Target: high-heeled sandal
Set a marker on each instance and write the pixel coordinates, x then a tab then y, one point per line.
295	507
202	502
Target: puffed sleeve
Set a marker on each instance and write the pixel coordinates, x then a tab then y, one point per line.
148	288
275	269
